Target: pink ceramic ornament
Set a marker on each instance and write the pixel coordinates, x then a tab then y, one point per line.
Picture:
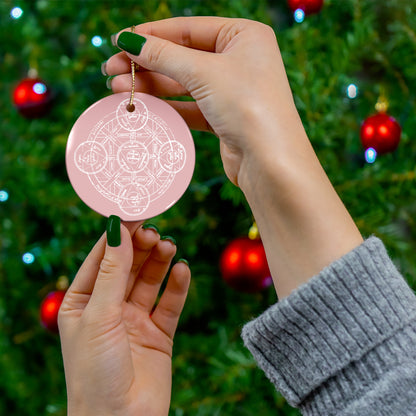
132	164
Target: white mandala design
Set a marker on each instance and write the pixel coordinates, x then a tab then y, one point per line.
131	158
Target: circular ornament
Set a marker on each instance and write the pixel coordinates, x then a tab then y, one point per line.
49	309
134	164
32	98
308	6
244	267
380	132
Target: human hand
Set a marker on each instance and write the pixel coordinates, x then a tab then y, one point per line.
117	352
233	70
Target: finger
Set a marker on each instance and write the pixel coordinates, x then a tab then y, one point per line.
152	273
199	32
132	226
167	312
84	281
111	283
165	57
144	240
150	83
85	278
116	64
178	47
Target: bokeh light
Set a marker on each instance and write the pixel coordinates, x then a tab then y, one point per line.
4	195
16	12
299	15
28	258
352	91
370	155
97	41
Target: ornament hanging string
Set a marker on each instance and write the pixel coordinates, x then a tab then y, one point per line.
130	106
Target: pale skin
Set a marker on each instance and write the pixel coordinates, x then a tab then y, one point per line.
234	71
117	352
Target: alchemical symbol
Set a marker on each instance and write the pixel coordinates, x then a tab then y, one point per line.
139	162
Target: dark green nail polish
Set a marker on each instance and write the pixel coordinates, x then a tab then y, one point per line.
104	69
108	82
184	261
131	42
150	227
168	237
113	231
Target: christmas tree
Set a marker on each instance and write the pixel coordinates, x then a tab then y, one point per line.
341	60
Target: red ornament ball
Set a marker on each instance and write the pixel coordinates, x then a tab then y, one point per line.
244	265
308	6
32	98
49	310
380	132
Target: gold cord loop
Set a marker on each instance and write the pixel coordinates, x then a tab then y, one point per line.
130	106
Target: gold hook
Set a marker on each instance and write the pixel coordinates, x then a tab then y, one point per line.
253	232
130	106
382	102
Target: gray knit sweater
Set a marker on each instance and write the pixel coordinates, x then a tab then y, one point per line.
344	343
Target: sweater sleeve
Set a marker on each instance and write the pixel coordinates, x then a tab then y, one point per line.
344	343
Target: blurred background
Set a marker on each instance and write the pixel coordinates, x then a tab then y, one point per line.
347	61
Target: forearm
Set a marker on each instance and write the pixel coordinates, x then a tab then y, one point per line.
303	223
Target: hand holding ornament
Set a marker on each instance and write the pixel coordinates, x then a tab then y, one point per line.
116	346
233	70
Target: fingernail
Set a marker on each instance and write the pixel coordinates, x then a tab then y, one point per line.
184	261
114	39
113	231
150	227
131	42
104	69
168	237
108	82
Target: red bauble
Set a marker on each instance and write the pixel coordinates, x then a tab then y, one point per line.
244	265
308	6
49	310
380	132
32	98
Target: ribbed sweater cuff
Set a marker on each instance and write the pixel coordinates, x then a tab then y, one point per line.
327	328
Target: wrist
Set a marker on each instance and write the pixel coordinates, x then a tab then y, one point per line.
274	150
81	407
80	411
303	224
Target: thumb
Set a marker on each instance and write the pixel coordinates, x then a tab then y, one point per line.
178	62
110	286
